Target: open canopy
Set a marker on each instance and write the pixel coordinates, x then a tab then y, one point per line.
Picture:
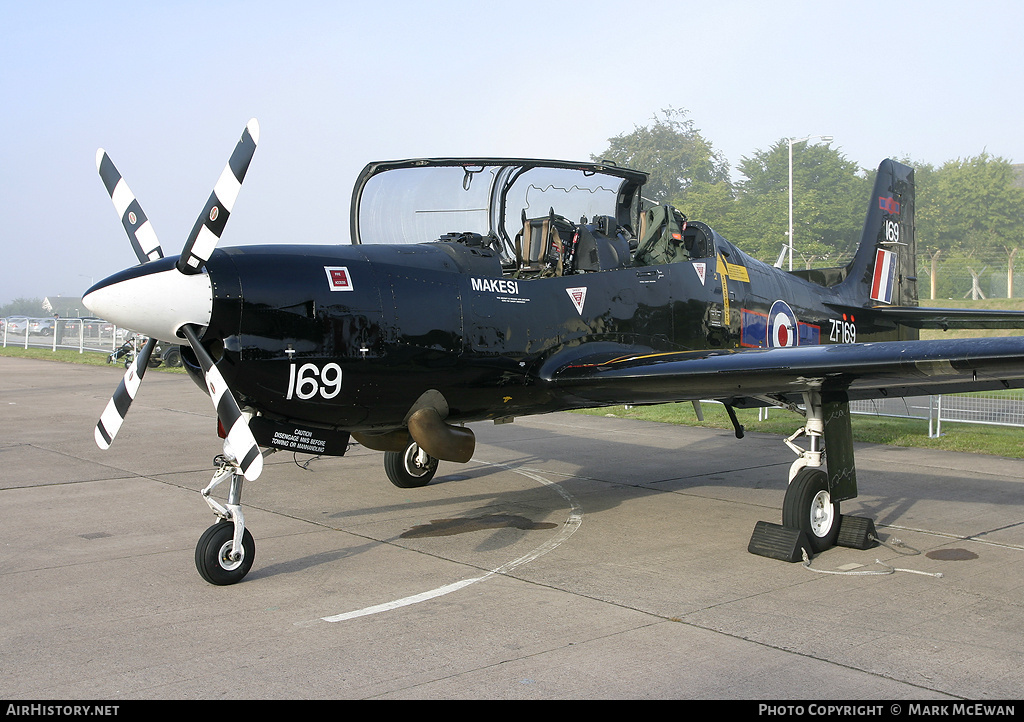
413	201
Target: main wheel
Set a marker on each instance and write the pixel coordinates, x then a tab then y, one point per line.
213	555
405	471
808	506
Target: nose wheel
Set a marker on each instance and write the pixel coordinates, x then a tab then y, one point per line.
216	558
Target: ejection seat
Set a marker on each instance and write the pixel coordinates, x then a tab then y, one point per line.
605	250
540	246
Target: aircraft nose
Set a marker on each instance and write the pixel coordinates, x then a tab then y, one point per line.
154	299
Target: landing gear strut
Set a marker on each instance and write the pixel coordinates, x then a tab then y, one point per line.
225	552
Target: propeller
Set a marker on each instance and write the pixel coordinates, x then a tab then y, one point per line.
147	248
133	218
239	443
113	416
162	300
210	224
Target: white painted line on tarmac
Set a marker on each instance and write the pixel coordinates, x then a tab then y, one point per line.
572	523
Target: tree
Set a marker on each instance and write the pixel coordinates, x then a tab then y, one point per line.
672	151
977	207
972	211
712	203
23	307
829	200
969	213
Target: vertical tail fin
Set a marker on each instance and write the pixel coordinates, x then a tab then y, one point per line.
884	270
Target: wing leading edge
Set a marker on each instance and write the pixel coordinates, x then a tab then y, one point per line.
741	376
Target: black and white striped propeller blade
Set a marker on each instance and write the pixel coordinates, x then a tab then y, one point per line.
210	224
240	445
136	224
137	300
117	408
147	248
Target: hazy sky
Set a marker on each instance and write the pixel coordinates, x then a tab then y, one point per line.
167	87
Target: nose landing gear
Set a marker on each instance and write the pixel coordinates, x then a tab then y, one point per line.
225	552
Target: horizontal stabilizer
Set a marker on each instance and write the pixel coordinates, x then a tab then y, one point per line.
938	318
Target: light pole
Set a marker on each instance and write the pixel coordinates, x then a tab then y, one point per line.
792	142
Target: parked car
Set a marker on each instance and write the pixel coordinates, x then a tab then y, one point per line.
97	327
41	326
17	324
170	353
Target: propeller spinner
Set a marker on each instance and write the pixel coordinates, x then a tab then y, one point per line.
173	298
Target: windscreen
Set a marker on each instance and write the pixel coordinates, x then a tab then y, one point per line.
414	205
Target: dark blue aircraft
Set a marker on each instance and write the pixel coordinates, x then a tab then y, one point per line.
488	288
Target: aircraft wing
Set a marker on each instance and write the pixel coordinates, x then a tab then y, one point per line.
740	376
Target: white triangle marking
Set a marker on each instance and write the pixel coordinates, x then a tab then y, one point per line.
578	296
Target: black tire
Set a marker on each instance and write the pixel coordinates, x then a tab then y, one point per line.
809	507
404	472
172	357
211	555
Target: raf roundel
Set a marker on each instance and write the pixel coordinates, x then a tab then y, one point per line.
782	326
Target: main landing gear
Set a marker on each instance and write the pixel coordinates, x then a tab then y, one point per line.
808	505
225	552
811	520
410	468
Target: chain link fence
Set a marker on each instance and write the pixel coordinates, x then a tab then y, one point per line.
958	278
84	335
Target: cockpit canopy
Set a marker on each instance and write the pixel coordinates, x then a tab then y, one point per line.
415	201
